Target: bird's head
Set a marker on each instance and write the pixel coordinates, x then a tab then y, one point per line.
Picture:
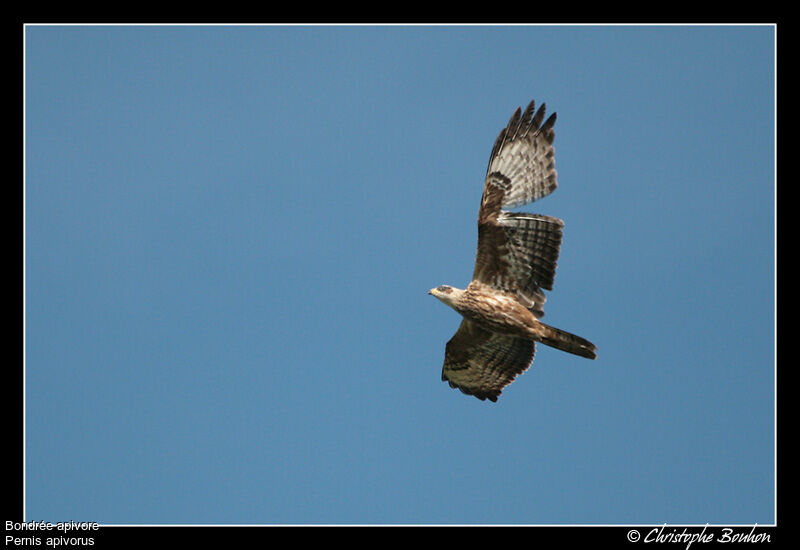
445	293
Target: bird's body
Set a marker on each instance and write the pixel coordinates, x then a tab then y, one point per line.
495	311
516	260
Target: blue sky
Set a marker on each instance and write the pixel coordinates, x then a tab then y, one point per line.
230	233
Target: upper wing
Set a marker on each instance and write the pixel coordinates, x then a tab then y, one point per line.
517	253
482	363
521	166
532	244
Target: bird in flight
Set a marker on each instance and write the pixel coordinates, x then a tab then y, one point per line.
515	262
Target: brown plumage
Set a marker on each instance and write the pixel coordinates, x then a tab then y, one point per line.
516	260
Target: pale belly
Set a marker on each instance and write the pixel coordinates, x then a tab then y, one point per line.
500	313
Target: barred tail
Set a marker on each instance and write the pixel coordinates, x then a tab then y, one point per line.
565	341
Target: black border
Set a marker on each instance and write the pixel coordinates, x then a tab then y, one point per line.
116	536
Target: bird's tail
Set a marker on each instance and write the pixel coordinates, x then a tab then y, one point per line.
565	341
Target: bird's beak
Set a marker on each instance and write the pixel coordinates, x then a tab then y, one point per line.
432	291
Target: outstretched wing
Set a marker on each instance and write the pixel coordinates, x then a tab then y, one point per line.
522	165
482	363
517	253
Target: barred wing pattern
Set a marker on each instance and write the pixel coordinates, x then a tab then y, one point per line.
521	165
481	363
517	253
532	244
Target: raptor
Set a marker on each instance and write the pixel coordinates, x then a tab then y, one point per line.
515	262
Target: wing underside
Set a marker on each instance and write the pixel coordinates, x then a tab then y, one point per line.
482	363
533	242
522	163
517	252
